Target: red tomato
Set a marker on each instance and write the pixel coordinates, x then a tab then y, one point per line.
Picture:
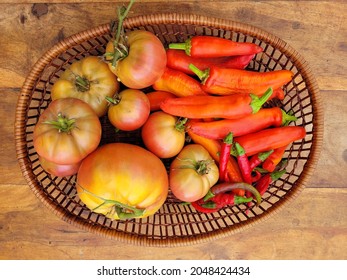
60	170
144	63
122	181
192	173
129	110
163	134
67	131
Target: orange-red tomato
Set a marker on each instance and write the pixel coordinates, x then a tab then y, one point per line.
163	134
144	63
129	109
192	173
67	131
122	181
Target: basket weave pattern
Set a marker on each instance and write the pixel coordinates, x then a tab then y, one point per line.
174	224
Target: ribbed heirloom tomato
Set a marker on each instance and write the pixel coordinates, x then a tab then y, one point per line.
141	65
122	181
67	131
88	79
192	173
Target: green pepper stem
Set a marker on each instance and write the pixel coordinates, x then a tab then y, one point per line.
287	118
242	199
258	102
225	187
277	174
202	74
186	46
263	156
240	151
229	138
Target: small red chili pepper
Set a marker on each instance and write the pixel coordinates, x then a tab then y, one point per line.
179	60
270	139
243	162
214	148
258	158
264	182
224	157
264	118
274	159
209	46
156	97
178	83
202	107
224	81
219	196
256	175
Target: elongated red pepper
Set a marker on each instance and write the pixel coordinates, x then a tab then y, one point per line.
264	118
214	149
264	182
156	97
270	139
258	158
202	107
243	162
179	60
219	196
224	157
178	83
209	46
274	159
224	81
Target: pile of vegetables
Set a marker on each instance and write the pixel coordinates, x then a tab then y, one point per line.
194	103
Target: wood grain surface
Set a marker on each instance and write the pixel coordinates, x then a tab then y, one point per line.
313	226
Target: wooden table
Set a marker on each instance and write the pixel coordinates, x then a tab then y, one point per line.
314	226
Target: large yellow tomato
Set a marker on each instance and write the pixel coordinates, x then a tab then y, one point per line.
90	80
122	181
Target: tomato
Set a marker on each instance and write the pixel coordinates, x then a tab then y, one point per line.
129	109
144	63
163	134
60	170
88	79
67	131
192	173
122	181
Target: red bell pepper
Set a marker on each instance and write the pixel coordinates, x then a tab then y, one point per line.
178	83
202	107
264	118
270	139
224	81
209	46
179	60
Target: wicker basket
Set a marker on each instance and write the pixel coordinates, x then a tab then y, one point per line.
174	224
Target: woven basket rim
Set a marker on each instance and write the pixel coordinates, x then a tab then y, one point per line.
168	18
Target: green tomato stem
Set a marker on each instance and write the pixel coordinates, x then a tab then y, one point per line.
62	123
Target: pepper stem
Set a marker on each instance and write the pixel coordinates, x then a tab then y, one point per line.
277	174
263	156
240	151
202	74
257	102
241	199
229	138
186	46
287	118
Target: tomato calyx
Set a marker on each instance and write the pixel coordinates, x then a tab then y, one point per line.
122	210
202	167
82	84
120	49
62	123
180	125
115	100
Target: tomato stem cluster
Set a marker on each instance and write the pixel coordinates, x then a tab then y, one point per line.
63	124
